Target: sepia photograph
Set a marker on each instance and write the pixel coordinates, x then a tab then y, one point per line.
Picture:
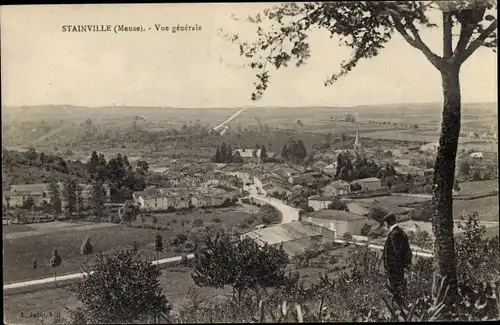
260	162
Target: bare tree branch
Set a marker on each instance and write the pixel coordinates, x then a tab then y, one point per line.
474	45
416	42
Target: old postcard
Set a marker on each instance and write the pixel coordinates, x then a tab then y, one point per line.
250	162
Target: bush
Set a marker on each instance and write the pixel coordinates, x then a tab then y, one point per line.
422	213
268	219
401	188
377	213
216	220
184	260
174	220
377	233
197	223
347	236
366	229
114	305
356	187
338	204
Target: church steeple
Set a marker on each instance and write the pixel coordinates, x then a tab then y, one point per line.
358	146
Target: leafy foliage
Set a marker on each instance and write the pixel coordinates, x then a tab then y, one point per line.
377	213
86	248
242	264
158	243
294	151
122	289
338	204
365	27
56	259
477	257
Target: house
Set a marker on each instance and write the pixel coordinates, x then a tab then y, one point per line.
155	199
320	202
248	154
395	153
357	209
302	179
298	191
476	155
429	147
286	172
246	177
369	184
330	169
294	237
338	221
271	155
319	166
409	170
338	187
275	190
18	194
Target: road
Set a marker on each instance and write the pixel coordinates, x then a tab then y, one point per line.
232	117
289	214
74	276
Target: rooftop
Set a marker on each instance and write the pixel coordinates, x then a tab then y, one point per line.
282	233
322	198
367	180
338	184
336	215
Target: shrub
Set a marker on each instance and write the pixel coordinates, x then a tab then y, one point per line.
422	213
337	204
377	213
222	261
356	187
185	260
401	188
154	220
422	239
174	220
114	305
377	233
347	236
268	219
216	220
197	223
365	230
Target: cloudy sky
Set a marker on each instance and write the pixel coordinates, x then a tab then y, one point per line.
43	65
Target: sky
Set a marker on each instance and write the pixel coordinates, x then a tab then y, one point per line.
41	65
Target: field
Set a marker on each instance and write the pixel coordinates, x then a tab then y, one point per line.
175	281
487	208
39	240
478	188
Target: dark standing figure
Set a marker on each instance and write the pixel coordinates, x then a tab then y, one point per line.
35	263
397	256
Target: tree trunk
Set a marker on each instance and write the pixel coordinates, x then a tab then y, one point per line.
444	174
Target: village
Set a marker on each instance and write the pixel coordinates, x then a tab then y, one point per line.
344	193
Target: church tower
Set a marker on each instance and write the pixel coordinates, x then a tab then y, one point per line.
358	146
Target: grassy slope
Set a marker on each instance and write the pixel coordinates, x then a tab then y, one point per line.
20	252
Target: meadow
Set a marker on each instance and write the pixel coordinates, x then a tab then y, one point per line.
175	281
24	243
